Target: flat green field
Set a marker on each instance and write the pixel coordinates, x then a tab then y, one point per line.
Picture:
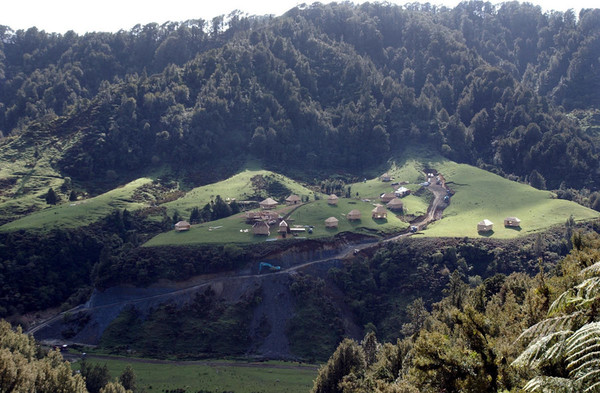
214	376
481	194
234	229
80	213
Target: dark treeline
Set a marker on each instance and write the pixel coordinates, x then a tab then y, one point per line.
327	86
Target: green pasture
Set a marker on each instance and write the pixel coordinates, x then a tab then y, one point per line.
238	187
481	194
234	229
82	212
214	376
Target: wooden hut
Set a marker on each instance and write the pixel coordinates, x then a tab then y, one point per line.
292	200
386	197
512	222
261	228
395	204
252	215
283	227
268	203
332	199
379	212
353	215
385	177
182	226
331	222
485	226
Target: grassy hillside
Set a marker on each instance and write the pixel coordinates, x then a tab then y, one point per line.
241	186
219	376
80	213
481	194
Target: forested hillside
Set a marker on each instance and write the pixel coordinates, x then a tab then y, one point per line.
325	87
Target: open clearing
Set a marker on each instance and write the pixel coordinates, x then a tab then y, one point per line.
82	212
213	376
481	194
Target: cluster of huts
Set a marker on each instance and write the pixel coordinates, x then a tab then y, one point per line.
487	226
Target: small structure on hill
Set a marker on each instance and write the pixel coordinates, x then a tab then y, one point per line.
292	200
261	228
512	222
283	227
332	199
268	203
385	177
353	215
182	226
379	212
386	197
402	192
485	226
395	204
331	222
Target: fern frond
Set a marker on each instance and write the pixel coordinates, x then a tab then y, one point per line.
593	388
591	271
563	302
545	384
548	349
551	325
589	288
583	356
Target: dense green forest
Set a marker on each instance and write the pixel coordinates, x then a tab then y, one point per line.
507	333
326	87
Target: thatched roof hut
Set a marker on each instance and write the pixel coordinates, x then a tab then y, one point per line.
379	212
268	203
395	204
388	196
182	226
385	177
353	215
331	222
512	222
292	200
332	199
261	228
485	226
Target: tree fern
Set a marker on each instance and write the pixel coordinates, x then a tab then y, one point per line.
544	384
546	350
552	325
591	271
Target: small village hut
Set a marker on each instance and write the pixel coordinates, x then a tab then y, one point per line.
261	228
385	177
485	226
283	227
332	199
292	200
512	222
379	212
268	203
395	204
353	215
182	226
386	197
331	222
